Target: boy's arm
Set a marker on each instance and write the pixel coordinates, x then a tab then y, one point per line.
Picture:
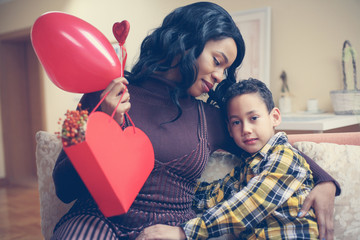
280	178
207	195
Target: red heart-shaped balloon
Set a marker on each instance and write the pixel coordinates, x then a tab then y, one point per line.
121	31
114	164
76	56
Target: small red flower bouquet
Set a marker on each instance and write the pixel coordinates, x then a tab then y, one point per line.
73	127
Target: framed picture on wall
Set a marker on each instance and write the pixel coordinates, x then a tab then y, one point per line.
255	27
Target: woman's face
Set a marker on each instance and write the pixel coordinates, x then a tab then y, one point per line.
212	63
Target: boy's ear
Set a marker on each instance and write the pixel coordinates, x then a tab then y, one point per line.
276	116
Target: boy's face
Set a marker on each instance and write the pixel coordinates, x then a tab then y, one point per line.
250	123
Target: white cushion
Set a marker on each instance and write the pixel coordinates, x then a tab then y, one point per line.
220	163
343	163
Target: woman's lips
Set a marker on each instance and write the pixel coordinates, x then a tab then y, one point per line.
207	86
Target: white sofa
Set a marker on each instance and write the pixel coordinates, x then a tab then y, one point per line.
338	154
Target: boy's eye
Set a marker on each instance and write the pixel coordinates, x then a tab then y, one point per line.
217	63
254	118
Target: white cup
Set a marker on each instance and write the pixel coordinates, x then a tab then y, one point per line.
312	105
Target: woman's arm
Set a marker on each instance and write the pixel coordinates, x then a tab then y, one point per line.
320	175
68	184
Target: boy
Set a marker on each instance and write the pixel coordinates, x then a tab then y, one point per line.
260	198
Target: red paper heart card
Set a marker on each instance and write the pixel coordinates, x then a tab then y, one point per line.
113	163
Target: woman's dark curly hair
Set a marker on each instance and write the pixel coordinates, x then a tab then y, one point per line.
183	35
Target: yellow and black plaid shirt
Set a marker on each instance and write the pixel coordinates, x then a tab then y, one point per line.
258	199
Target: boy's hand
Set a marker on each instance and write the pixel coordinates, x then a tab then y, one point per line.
160	231
322	198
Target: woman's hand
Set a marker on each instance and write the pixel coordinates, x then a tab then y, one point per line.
322	198
160	231
116	89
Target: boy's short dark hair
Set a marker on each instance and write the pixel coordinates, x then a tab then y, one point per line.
249	86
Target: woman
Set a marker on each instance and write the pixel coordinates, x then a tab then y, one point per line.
197	46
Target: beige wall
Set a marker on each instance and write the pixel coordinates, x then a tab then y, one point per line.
306	41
